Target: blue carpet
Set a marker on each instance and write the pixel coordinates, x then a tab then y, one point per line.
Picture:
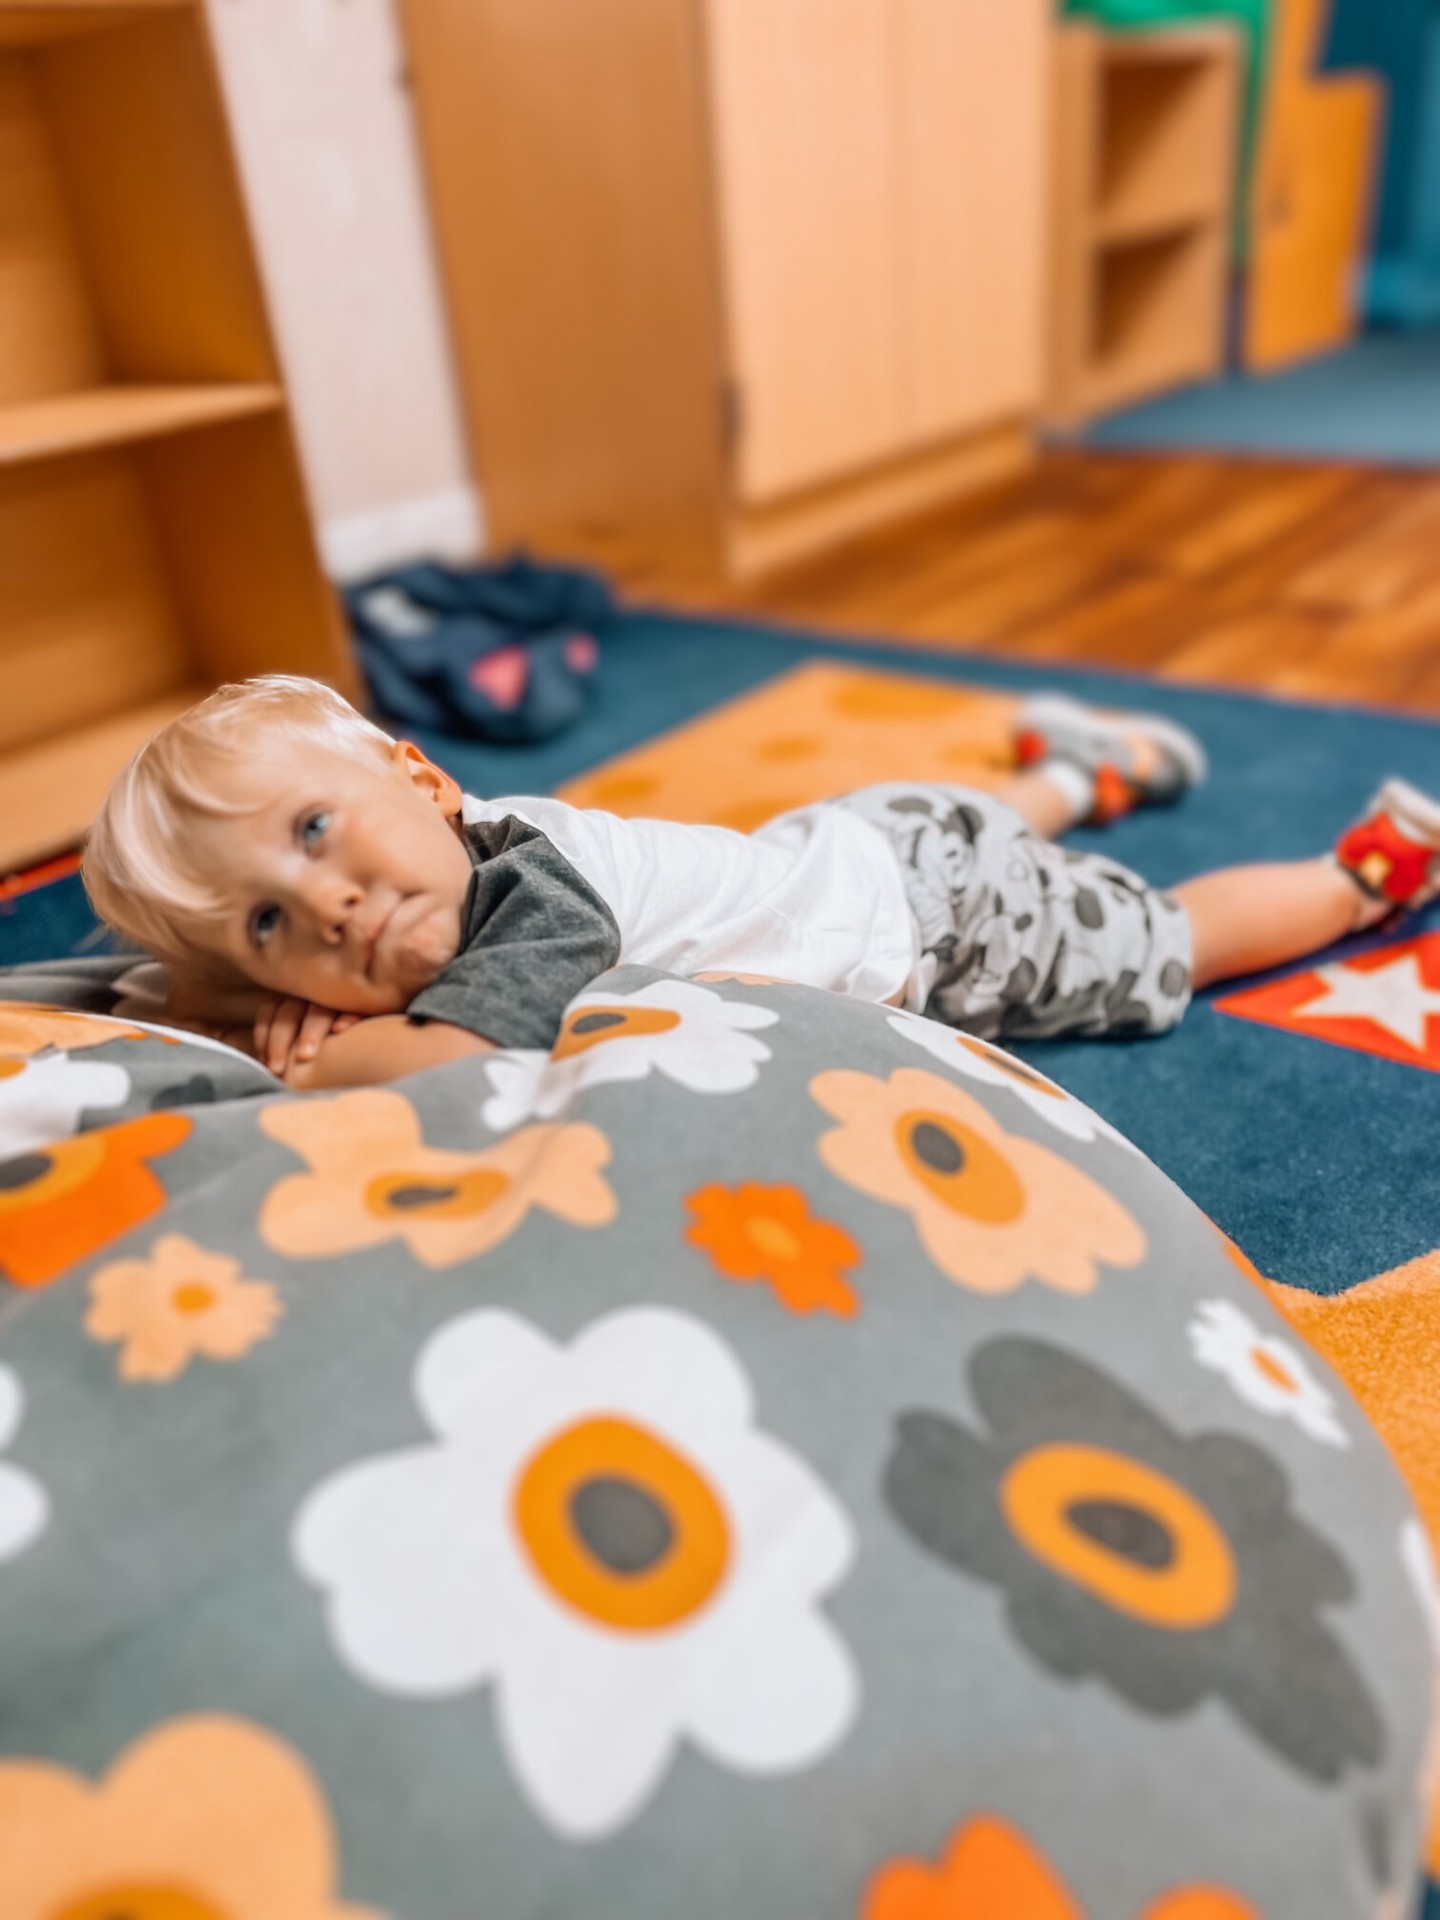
53	921
1378	400
1317	1160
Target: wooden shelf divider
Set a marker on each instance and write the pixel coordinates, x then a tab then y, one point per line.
32	23
114	416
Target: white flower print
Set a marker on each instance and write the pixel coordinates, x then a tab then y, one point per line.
24	1507
1267	1373
1419	1563
42	1098
600	1531
673	1027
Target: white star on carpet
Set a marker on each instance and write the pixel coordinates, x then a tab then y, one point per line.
1393	997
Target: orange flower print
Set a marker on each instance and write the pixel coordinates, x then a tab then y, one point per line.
992	1209
208	1818
744	979
991	1872
26	1030
180	1302
1200	1903
69	1199
373	1179
768	1233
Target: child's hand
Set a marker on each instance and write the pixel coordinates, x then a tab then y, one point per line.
288	1033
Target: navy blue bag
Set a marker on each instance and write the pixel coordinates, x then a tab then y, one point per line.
505	653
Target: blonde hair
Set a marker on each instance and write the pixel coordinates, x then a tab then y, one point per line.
136	870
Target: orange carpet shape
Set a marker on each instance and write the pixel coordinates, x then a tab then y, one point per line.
1385	1002
820	730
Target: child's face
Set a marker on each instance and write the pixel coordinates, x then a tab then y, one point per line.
345	883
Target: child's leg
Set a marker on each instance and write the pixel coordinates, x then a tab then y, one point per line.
1050	799
1086	763
1245	919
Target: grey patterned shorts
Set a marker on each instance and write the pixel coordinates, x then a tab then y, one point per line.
1027	939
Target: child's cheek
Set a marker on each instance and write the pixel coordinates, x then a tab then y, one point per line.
433	944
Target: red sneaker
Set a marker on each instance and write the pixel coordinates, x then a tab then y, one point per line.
1394	852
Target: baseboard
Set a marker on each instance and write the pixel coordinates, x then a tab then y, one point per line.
445	526
764	539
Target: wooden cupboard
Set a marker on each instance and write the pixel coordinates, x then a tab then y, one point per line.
746	273
154	532
1318	168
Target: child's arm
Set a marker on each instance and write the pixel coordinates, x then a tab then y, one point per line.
275	1030
210	1008
339	1050
384	1047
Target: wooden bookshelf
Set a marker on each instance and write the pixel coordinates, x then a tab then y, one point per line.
1147	126
155	537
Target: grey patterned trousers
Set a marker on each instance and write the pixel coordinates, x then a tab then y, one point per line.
1027	939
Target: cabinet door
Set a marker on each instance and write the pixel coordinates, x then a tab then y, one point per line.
802	120
971	120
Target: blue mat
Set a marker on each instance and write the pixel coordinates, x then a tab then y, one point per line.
1317	1160
1378	400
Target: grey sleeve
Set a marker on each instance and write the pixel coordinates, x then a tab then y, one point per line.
535	933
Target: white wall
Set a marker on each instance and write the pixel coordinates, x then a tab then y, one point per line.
323	128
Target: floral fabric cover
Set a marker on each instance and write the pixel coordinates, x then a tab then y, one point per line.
771	1456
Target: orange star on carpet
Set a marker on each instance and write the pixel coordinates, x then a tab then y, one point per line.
1385	1002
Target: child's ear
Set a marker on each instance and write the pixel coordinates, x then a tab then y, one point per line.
423	773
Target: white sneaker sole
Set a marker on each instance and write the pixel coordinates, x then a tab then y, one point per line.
1055	710
1414	812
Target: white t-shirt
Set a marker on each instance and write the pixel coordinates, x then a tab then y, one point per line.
814	896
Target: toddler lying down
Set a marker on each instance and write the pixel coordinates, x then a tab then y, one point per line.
329	898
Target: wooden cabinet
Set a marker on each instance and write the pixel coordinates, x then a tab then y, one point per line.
972	126
154	535
756	273
805	171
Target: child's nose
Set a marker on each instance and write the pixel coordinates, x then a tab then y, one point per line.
333	900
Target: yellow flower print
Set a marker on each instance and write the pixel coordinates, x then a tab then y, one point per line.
180	1302
203	1819
373	1179
992	1209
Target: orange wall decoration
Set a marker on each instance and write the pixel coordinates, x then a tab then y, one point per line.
1315	186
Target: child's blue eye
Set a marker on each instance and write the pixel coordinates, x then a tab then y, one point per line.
263	923
313	828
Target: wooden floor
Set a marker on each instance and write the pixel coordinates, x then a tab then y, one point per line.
1316	581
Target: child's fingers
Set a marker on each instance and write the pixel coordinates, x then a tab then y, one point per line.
317	1024
345	1021
264	1022
284	1029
